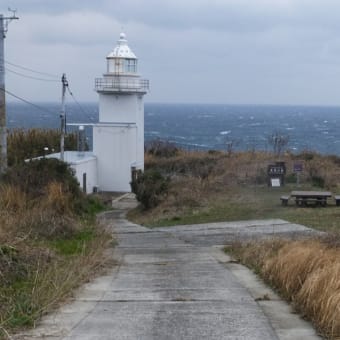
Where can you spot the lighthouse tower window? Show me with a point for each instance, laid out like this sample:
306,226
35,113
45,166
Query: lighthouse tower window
130,65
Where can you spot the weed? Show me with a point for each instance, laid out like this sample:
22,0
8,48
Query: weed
76,244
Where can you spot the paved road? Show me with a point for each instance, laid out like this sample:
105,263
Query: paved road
176,283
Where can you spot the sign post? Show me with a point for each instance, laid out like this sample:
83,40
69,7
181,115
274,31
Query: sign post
276,174
298,168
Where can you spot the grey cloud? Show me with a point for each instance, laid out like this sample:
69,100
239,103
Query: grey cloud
228,15
246,50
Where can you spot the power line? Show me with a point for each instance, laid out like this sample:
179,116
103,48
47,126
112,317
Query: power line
47,110
86,113
31,77
28,102
32,70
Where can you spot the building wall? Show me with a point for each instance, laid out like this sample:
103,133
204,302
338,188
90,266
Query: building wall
89,168
115,147
140,134
81,162
120,108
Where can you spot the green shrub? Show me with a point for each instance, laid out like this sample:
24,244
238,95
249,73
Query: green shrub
150,187
318,181
89,205
34,176
291,178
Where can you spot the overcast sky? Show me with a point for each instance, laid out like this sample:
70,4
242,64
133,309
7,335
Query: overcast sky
194,51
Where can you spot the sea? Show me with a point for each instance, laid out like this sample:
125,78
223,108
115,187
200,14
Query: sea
205,126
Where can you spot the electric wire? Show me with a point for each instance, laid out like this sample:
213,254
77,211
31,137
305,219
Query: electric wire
32,70
56,79
28,102
86,113
31,77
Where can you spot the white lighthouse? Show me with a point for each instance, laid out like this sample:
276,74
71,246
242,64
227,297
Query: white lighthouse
118,137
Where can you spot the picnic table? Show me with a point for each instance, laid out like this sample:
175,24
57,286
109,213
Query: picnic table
302,198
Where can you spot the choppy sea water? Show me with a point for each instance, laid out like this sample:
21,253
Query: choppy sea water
206,126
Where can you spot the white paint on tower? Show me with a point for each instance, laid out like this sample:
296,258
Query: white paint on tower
118,138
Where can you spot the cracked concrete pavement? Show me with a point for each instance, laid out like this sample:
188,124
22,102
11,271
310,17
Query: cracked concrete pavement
176,283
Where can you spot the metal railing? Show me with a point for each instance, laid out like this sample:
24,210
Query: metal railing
126,85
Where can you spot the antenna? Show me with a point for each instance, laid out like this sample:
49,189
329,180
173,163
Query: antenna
7,20
13,11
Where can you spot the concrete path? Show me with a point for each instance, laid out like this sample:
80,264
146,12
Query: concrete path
176,283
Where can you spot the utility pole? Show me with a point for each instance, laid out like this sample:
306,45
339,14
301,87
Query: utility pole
63,117
4,21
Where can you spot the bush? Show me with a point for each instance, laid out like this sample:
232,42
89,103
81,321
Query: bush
318,181
291,178
150,187
33,177
161,148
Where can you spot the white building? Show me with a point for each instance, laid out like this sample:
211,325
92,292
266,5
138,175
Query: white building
118,137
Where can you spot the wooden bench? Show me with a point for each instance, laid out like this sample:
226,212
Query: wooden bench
284,200
337,199
318,198
304,202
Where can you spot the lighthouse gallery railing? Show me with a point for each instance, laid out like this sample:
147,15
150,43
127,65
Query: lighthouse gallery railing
102,84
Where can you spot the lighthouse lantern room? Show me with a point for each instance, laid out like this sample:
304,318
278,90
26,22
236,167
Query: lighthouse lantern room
118,137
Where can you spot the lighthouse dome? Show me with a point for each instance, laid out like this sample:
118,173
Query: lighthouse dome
122,50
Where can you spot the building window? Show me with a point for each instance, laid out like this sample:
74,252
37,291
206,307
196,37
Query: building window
130,65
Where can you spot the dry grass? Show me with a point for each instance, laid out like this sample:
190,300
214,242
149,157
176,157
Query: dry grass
26,144
12,198
215,186
306,272
57,198
219,168
46,250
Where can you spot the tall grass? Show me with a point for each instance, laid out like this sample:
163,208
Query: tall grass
49,241
307,273
26,144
